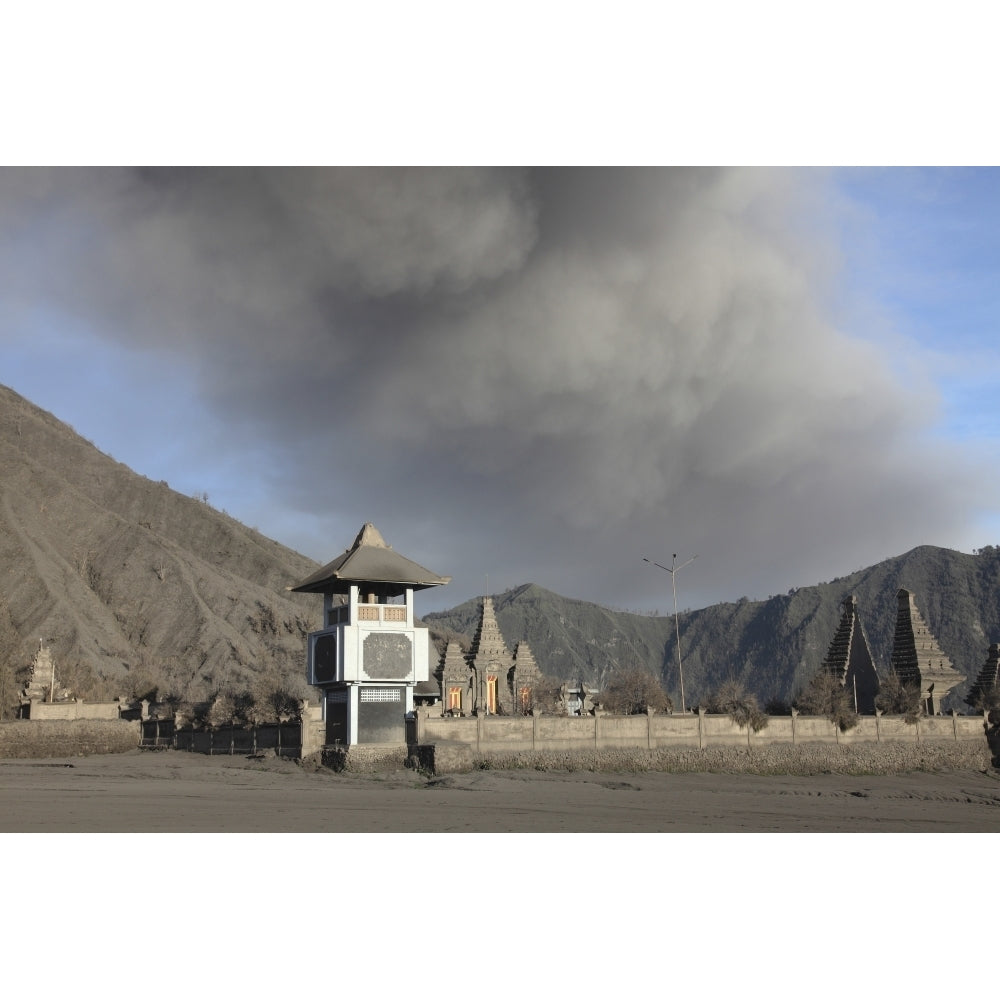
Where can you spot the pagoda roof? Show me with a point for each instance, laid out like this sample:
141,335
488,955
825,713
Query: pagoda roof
368,560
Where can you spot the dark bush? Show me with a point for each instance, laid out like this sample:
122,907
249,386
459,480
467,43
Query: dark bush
732,699
896,698
825,695
631,691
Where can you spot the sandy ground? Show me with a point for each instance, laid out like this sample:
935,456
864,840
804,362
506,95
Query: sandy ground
173,792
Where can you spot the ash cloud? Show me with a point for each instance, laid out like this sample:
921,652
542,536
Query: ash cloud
532,374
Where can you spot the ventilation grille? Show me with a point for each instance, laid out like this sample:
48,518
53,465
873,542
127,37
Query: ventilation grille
381,694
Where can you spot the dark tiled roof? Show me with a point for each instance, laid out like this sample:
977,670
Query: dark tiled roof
368,560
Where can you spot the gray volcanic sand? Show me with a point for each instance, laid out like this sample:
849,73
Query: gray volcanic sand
173,792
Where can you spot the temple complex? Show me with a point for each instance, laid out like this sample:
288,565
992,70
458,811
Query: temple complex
917,658
989,676
849,659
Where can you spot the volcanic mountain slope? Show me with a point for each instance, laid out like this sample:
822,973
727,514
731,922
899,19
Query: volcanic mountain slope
775,646
120,574
117,572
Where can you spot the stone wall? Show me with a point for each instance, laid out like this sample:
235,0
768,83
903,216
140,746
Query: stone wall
503,734
360,759
778,758
67,738
313,730
47,711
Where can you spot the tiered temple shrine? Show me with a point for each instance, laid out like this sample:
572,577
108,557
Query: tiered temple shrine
850,659
917,658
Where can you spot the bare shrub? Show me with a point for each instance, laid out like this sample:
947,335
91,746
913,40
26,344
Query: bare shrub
273,699
84,683
143,681
14,668
228,709
732,699
825,695
544,696
191,713
987,699
632,690
896,698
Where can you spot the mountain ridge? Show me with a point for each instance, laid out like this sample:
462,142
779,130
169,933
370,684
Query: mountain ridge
120,574
773,646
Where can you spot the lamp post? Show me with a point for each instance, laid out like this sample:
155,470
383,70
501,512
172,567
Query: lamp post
673,569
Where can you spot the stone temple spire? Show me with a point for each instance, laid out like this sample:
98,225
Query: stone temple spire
917,658
488,642
849,658
491,662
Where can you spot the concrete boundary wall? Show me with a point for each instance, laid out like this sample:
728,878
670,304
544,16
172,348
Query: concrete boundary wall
25,738
50,711
549,733
892,757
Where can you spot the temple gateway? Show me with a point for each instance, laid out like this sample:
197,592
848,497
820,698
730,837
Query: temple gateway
489,680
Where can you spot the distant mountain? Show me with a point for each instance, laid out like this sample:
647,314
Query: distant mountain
118,573
122,575
773,646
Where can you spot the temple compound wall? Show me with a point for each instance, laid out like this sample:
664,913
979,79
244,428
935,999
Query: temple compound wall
66,710
25,738
492,734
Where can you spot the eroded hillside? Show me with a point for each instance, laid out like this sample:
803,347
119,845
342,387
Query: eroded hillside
118,573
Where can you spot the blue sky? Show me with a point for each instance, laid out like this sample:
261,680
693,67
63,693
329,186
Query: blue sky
614,365
929,257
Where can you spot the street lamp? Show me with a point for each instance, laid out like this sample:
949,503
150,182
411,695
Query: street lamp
673,569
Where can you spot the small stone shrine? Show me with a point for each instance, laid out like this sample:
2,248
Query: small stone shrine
369,654
42,682
917,658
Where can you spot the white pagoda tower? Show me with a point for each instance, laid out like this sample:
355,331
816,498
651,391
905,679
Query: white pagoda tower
369,653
